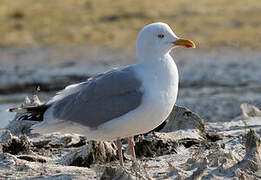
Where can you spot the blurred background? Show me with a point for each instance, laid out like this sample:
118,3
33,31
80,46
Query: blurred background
218,24
53,43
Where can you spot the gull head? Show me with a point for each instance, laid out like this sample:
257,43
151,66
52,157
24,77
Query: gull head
158,39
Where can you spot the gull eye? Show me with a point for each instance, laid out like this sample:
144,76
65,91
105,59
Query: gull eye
161,36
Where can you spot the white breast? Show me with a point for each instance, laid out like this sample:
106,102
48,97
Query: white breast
160,86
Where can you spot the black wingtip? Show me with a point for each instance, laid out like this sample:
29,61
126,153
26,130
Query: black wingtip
11,110
20,110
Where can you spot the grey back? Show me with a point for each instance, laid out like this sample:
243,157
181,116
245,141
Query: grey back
101,98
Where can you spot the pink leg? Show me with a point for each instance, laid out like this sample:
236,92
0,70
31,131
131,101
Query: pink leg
131,146
118,141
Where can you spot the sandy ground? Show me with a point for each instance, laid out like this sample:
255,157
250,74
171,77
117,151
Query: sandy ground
183,148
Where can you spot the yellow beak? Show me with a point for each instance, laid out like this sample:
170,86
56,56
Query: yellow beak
184,42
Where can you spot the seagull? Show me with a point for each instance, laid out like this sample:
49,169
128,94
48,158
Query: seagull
120,103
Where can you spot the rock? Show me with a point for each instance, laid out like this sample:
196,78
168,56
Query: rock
154,144
17,145
13,144
252,160
158,143
182,118
93,152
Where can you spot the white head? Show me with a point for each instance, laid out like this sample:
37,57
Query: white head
158,39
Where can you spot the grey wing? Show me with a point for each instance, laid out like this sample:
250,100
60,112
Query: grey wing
101,99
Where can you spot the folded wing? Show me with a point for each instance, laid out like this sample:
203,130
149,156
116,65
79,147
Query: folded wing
100,99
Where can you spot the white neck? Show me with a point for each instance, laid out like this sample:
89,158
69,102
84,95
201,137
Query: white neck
145,55
152,56
158,62
162,68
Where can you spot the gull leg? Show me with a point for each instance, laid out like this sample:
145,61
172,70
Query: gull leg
131,146
118,141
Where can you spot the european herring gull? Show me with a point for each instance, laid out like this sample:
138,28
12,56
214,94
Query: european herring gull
121,103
